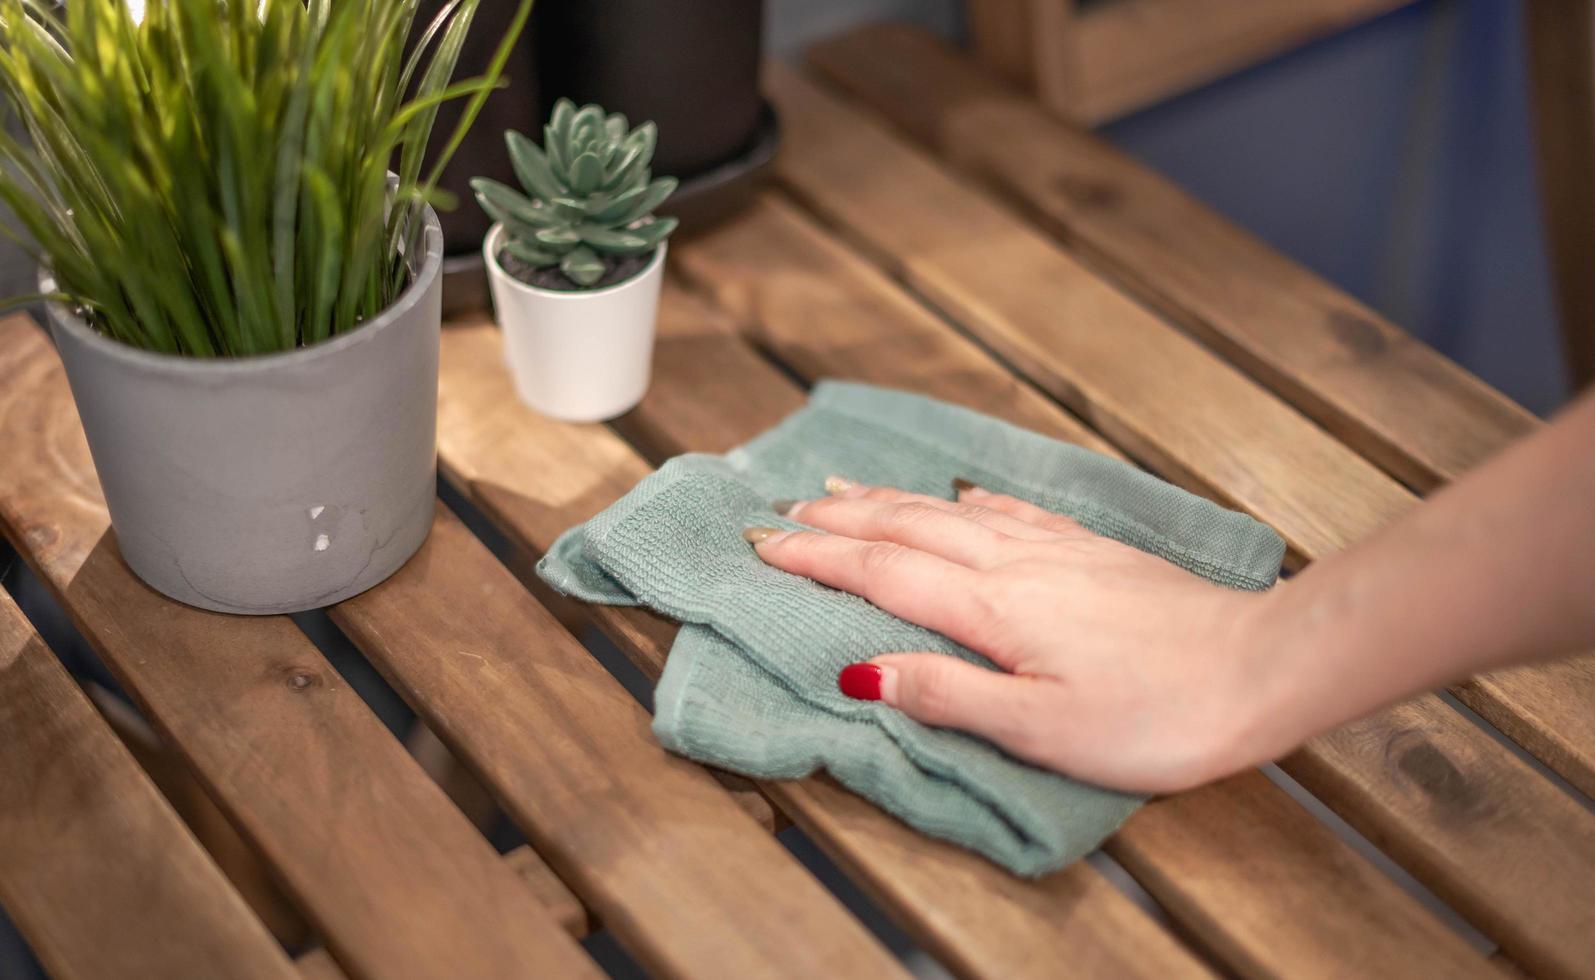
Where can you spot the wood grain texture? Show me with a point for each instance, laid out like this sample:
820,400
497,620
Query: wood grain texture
243,868
1152,390
1003,36
96,868
1244,869
1382,392
555,895
391,874
661,852
1132,53
534,477
1200,422
1561,41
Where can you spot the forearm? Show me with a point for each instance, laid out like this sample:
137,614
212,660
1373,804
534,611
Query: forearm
1496,569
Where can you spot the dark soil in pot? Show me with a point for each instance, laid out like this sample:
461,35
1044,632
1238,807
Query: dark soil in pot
617,269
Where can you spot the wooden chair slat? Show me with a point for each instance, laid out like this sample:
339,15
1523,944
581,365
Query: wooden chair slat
1198,421
1384,393
534,477
395,878
96,868
659,850
1242,867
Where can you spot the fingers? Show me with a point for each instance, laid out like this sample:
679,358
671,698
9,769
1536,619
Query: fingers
940,690
1019,510
922,588
940,531
842,489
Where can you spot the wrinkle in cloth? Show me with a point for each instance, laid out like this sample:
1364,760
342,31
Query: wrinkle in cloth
750,684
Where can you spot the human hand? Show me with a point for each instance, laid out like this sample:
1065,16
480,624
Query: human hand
1116,667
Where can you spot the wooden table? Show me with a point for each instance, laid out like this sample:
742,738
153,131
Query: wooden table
929,230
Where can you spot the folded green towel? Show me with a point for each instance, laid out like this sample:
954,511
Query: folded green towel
750,684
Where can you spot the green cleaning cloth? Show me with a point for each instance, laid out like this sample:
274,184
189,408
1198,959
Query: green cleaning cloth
750,684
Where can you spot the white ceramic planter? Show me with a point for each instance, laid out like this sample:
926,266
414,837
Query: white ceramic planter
582,355
275,483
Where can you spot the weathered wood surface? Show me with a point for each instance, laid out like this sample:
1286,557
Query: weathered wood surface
824,311
651,842
535,477
96,869
1200,422
1382,392
391,874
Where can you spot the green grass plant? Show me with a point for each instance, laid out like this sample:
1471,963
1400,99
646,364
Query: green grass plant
211,177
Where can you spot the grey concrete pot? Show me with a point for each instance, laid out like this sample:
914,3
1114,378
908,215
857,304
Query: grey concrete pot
268,484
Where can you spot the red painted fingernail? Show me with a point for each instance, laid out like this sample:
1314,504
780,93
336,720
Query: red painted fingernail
861,681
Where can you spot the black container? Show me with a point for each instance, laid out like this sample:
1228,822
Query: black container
691,66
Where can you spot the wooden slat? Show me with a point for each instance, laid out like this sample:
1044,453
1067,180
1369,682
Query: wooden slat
567,910
319,965
243,868
535,477
1003,35
1132,53
555,895
661,852
96,869
1244,868
395,878
1387,395
1383,392
1561,47
1200,422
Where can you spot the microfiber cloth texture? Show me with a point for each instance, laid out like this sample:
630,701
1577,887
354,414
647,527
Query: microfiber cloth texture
750,684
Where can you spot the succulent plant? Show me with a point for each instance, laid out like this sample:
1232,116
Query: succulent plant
589,193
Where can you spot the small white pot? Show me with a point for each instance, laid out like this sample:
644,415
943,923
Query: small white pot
582,355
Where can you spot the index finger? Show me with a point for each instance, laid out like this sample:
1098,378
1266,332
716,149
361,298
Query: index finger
922,588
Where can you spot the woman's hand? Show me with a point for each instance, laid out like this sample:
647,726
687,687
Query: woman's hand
1116,667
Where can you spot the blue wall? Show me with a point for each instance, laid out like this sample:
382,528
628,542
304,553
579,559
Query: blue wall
1396,159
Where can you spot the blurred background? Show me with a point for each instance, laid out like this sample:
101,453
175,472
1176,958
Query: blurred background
1395,158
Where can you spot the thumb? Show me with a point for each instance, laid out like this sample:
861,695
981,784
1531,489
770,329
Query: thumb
938,689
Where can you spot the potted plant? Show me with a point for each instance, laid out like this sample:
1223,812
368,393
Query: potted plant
575,262
244,296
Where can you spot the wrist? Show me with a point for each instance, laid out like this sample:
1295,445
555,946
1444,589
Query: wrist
1277,691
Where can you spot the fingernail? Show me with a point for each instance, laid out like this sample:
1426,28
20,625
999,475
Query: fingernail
839,484
785,507
755,535
961,485
860,681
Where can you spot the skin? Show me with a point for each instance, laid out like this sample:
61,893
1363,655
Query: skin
1121,669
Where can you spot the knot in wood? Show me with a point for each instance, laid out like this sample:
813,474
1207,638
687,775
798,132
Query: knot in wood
1089,192
301,679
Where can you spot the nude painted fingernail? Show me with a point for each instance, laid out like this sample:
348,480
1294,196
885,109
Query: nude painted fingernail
839,484
963,486
758,535
786,508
